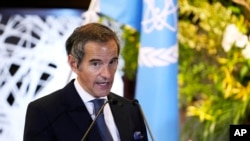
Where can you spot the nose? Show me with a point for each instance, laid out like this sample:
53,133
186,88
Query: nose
105,72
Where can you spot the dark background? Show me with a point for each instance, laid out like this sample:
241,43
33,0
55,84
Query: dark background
75,4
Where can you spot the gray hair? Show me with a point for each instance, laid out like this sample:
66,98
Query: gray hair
90,32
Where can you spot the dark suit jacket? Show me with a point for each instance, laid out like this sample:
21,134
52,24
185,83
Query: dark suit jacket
62,116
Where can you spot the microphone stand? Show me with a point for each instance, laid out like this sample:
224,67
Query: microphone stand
92,123
144,118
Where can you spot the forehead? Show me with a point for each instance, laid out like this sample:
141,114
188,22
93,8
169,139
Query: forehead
98,49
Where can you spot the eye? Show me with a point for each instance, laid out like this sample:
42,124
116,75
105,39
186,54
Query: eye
95,63
113,61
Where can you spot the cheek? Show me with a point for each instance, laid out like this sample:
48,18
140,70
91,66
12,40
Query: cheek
113,69
87,74
87,79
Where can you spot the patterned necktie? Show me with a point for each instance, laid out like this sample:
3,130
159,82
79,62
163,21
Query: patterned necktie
104,131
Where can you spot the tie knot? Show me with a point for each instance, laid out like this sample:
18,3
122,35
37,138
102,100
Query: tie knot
98,104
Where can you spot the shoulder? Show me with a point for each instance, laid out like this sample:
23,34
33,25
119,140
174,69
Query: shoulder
118,98
124,103
48,102
54,98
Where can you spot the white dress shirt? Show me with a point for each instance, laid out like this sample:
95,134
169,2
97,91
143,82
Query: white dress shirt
86,98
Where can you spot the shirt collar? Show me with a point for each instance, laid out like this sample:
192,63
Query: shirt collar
85,96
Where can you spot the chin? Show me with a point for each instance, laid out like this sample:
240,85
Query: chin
103,94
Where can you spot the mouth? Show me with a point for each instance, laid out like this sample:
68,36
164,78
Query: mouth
102,88
103,83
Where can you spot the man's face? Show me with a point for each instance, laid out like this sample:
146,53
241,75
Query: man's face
98,67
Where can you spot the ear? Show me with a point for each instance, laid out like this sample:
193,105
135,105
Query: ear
72,63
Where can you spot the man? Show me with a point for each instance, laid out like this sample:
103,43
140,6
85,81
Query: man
66,114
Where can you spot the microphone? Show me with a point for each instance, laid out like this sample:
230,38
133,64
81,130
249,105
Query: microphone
135,101
97,115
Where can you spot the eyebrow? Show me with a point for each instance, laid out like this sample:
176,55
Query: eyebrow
98,60
94,60
115,58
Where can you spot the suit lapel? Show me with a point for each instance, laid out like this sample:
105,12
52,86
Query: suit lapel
78,111
121,120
